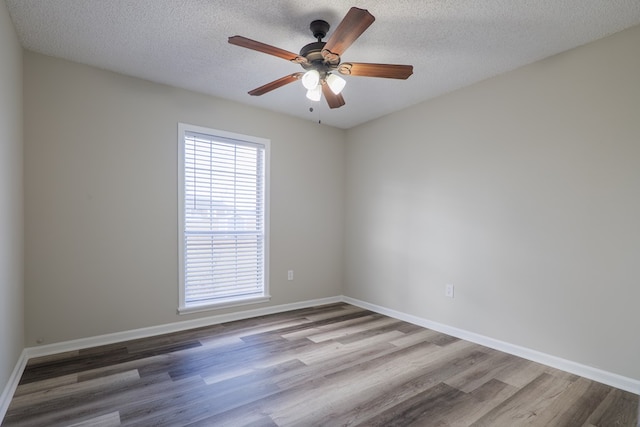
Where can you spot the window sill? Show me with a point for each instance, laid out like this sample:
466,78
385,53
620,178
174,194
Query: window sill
223,304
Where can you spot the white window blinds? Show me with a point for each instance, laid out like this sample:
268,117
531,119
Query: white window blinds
223,233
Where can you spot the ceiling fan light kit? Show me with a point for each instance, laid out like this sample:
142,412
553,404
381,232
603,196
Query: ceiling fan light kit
321,59
336,83
310,79
315,93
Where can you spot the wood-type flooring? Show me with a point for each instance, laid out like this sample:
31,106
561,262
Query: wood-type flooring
333,365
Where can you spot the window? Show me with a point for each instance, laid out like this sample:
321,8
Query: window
223,218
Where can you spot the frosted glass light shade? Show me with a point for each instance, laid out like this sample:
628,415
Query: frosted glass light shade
315,94
310,79
336,83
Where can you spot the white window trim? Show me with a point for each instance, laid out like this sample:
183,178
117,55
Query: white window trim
182,308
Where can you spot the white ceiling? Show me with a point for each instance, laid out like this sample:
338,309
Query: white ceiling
183,43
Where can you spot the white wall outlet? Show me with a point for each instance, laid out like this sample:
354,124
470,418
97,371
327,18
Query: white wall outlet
290,275
448,290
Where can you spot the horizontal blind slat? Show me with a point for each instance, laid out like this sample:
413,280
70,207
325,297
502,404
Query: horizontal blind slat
223,218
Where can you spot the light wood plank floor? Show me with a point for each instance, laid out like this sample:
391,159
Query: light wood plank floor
332,365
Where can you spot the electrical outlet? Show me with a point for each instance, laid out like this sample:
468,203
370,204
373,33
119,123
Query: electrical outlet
290,275
448,290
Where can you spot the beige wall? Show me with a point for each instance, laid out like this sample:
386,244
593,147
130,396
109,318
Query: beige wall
101,199
524,192
11,229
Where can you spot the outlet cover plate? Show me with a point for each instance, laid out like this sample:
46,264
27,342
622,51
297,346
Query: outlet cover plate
448,290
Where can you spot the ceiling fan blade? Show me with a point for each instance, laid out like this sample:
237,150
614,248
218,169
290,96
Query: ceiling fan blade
334,101
266,48
352,26
275,84
389,71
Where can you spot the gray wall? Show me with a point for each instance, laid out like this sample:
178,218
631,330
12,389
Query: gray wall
11,229
101,199
523,191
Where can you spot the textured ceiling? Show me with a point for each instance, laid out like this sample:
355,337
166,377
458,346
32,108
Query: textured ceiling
183,43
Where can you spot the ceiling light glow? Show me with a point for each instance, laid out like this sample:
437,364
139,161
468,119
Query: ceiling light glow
310,79
336,83
315,94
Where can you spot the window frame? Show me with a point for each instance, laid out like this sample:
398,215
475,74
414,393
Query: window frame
183,308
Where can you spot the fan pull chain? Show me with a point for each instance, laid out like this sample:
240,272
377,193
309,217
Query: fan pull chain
311,109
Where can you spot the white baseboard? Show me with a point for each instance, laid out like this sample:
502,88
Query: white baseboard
609,378
60,347
12,384
595,374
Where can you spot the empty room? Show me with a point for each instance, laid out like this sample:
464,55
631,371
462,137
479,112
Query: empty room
285,213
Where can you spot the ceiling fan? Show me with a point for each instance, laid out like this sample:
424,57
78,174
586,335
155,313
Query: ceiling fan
322,59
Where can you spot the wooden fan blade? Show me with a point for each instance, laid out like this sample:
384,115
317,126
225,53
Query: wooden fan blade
266,48
389,71
334,101
275,84
352,26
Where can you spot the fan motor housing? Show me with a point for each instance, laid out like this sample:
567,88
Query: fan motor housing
313,51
